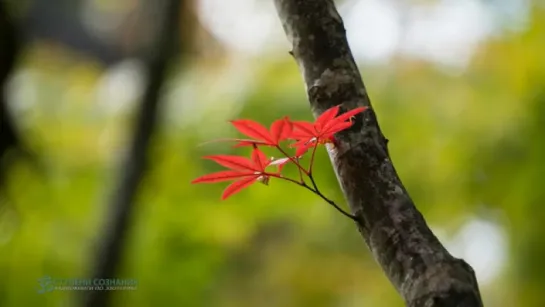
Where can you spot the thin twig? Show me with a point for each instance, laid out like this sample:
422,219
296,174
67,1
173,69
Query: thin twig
312,158
315,191
301,168
330,201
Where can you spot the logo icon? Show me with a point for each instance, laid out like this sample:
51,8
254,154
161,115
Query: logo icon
46,284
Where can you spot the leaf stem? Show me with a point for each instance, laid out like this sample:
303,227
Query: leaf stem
312,159
284,178
301,168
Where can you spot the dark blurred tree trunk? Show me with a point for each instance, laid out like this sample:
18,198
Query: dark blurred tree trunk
122,203
9,47
419,267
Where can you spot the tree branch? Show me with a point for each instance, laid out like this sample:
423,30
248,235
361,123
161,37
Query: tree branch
419,267
135,165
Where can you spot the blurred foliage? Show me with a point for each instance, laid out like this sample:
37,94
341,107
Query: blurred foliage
467,146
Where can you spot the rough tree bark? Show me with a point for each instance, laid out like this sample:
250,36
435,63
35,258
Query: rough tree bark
419,267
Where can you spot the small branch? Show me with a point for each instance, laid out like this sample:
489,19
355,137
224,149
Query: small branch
301,168
300,171
317,191
284,178
309,175
312,160
419,267
135,165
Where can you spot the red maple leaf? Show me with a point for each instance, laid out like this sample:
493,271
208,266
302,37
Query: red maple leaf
244,171
322,130
280,130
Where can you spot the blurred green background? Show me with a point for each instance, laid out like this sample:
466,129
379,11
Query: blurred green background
459,88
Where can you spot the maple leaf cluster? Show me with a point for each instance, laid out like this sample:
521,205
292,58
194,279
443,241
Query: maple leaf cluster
304,135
